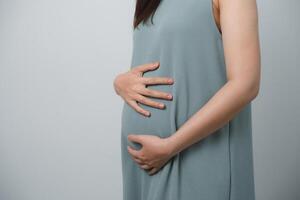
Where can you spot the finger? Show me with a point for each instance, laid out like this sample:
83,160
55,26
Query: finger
135,138
139,158
152,171
133,152
146,167
146,67
156,94
138,109
149,102
138,161
157,80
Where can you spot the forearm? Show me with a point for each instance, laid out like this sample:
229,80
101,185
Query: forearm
218,111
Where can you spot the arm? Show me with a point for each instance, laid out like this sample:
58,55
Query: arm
239,24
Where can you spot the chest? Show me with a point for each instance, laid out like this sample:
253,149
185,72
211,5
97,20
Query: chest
179,18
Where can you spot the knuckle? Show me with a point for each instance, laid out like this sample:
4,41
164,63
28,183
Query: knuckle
141,99
138,73
135,70
137,97
149,92
146,101
147,80
143,158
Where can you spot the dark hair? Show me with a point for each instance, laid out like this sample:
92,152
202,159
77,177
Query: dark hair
144,10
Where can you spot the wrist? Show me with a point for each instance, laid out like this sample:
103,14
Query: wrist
173,145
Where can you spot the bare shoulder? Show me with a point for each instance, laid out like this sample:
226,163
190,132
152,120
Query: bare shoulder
238,11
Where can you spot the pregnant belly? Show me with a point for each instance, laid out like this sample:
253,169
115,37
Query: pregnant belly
190,92
161,122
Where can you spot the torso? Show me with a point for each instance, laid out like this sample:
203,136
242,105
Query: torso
185,40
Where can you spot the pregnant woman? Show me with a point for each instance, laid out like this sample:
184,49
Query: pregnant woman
186,120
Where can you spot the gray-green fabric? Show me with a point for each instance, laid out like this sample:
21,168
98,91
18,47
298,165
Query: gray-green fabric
185,40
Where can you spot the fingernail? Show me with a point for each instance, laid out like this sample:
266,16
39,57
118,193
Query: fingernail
161,105
170,80
169,96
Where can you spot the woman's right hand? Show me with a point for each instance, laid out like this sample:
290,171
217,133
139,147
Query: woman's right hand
131,86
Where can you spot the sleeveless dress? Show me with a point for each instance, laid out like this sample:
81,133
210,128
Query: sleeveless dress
185,39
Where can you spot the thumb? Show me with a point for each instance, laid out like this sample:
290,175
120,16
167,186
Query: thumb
134,138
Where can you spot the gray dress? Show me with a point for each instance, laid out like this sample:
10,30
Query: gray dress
186,41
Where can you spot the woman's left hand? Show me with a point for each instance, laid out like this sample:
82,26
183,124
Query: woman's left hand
153,155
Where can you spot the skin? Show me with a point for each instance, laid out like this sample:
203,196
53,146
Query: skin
238,21
131,86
